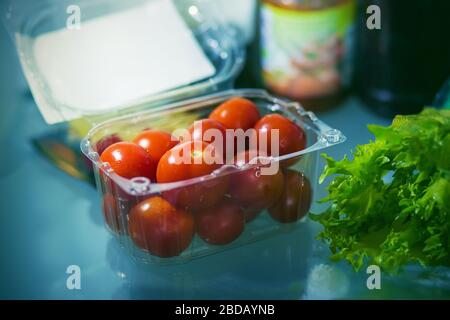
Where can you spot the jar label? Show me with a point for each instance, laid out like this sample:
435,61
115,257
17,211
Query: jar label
307,53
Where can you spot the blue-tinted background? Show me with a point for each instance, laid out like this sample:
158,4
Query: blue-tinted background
49,221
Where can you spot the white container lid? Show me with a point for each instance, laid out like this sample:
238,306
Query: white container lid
101,58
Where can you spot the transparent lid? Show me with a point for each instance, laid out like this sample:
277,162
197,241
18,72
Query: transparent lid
100,58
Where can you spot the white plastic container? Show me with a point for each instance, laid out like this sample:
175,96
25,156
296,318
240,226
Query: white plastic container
28,21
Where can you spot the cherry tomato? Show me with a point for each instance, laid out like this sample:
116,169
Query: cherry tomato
203,130
222,224
236,113
156,143
295,201
252,214
159,228
100,146
111,187
113,208
200,195
292,138
105,142
189,160
129,160
253,190
111,212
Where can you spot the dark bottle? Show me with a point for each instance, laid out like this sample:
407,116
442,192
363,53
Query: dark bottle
400,67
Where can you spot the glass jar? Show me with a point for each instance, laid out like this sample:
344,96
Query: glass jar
306,49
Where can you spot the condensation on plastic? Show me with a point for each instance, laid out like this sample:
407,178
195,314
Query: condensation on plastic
25,20
128,193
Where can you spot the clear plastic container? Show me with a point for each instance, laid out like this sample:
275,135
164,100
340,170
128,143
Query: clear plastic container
27,20
121,195
168,110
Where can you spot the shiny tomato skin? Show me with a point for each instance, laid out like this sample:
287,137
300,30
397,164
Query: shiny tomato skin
156,143
221,224
129,160
236,113
100,146
198,129
296,199
292,138
254,191
198,195
105,142
159,228
197,154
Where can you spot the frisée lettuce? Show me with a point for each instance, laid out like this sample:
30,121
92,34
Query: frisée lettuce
390,204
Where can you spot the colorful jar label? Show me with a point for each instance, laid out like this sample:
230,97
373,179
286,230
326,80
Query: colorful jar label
307,53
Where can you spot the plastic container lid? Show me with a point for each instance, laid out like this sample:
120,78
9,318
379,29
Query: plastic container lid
96,71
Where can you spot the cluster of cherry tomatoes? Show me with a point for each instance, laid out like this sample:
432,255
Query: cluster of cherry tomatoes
216,209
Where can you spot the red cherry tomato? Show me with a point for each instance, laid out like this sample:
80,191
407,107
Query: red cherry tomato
105,142
252,214
292,138
200,195
156,143
113,209
111,212
236,113
100,146
295,201
202,130
253,190
222,224
129,160
159,228
189,160
111,187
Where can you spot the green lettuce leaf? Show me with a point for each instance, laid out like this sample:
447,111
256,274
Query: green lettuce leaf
390,204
